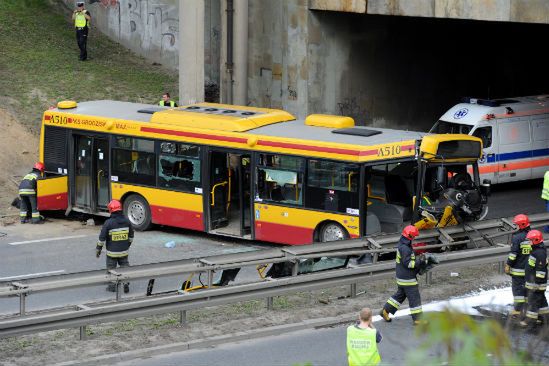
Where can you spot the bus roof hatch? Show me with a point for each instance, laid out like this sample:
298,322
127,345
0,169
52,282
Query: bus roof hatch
221,117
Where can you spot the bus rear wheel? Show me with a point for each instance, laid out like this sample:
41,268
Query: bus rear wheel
137,210
332,231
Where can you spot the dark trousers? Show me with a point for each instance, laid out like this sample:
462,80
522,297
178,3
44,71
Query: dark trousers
121,262
29,208
519,292
537,305
82,39
414,299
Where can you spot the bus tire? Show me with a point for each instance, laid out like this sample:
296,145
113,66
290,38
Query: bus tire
137,210
332,231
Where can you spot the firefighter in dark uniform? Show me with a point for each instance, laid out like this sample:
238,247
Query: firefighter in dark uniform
536,280
117,235
27,193
407,267
516,261
81,19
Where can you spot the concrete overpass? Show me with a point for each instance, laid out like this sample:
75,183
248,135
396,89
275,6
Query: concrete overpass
395,63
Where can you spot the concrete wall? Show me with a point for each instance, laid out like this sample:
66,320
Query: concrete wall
527,11
405,72
278,56
149,28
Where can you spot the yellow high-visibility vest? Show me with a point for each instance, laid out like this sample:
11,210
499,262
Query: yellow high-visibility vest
80,20
545,191
362,346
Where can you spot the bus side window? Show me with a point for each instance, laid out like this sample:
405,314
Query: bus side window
485,134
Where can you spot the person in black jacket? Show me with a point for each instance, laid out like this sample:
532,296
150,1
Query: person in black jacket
536,280
27,193
516,262
117,235
407,267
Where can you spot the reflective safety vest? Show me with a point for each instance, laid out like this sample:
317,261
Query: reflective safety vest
362,346
163,104
545,191
80,20
28,184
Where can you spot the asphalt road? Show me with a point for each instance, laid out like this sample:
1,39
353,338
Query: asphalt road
64,246
318,347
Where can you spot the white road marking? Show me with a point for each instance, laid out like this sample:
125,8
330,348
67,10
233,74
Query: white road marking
48,239
39,274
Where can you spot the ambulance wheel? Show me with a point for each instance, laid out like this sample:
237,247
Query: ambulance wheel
137,210
332,231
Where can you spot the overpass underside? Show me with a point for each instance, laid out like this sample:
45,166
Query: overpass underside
390,63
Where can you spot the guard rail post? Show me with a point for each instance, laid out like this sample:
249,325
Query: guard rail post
117,289
501,267
183,318
295,268
429,278
22,301
353,290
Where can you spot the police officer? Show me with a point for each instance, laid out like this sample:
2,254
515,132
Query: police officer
27,193
516,262
536,280
362,339
166,101
117,234
407,267
81,19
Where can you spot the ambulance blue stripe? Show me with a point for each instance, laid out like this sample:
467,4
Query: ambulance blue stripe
518,155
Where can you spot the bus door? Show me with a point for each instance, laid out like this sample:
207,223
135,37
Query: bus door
91,177
229,194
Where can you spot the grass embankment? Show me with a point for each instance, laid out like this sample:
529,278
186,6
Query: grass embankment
39,63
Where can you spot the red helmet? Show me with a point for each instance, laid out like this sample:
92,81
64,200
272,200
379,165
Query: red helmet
114,206
522,221
535,236
39,166
410,232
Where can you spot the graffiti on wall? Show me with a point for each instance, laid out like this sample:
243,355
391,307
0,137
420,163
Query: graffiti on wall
350,107
148,27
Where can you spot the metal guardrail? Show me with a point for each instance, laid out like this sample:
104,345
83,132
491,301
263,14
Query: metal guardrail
82,315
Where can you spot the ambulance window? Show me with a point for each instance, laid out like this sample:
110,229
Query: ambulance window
485,134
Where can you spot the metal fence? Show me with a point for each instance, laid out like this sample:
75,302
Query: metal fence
480,235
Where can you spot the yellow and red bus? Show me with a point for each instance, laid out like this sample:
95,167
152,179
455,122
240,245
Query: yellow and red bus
253,173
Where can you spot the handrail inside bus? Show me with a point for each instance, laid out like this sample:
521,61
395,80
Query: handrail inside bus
213,191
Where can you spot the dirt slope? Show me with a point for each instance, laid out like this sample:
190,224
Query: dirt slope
18,152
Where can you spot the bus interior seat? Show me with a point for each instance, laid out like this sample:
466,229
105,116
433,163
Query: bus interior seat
289,191
373,226
276,194
390,216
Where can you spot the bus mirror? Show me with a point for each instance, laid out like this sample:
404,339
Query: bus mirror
485,187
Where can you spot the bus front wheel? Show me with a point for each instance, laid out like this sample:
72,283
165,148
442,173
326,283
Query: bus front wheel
137,210
332,231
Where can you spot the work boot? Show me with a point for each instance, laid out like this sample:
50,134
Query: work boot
37,222
126,288
515,315
24,221
385,315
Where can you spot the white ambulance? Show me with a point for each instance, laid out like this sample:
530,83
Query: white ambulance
514,132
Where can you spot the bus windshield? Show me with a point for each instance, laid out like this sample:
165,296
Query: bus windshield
450,127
